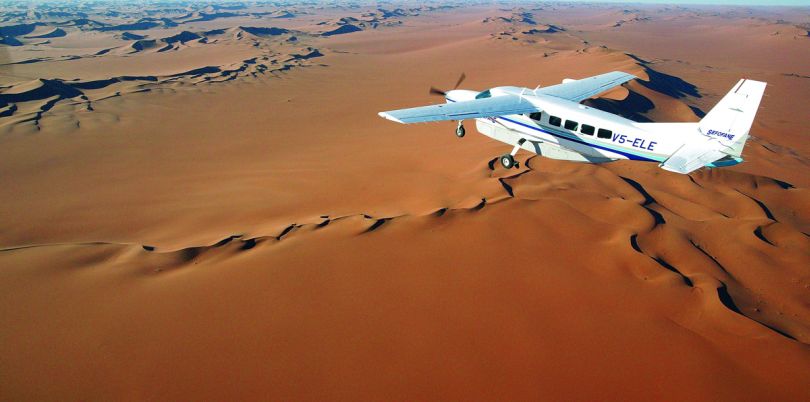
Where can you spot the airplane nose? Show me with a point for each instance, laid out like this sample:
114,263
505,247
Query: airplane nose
458,95
454,95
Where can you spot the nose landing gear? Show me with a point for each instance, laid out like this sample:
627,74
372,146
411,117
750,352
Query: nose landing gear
460,129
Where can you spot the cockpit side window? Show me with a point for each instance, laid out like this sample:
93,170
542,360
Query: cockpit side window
536,116
483,94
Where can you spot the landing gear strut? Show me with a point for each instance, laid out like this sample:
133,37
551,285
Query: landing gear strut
460,129
508,160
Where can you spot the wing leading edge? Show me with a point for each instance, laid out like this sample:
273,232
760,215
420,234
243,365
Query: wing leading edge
576,91
487,107
579,90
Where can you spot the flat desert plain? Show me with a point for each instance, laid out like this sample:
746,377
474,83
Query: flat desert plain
198,201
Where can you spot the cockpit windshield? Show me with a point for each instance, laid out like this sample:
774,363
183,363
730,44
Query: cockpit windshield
484,94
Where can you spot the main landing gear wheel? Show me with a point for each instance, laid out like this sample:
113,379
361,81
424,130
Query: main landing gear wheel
460,131
508,161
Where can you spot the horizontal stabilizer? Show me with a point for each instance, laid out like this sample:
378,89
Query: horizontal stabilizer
691,157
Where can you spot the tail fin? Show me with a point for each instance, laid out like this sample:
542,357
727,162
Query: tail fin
725,130
730,120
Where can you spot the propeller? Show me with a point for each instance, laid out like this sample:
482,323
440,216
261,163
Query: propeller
437,91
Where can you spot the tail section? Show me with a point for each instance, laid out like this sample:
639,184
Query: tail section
722,132
730,120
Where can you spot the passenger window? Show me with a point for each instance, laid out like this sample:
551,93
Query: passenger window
587,130
536,116
554,121
571,125
602,133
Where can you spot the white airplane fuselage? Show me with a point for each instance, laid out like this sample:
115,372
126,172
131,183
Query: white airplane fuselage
612,138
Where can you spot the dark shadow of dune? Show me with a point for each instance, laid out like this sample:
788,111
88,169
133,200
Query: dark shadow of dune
758,233
18,30
672,268
725,298
55,33
132,36
648,200
377,224
665,83
348,28
728,302
634,243
98,84
310,55
47,89
507,187
10,41
632,107
182,37
265,31
697,111
670,85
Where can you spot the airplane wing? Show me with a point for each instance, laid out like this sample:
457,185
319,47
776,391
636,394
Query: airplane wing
694,155
579,90
486,107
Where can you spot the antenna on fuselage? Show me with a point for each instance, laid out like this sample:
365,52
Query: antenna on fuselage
522,91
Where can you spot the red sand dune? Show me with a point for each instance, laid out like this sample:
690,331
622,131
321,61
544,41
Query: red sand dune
229,218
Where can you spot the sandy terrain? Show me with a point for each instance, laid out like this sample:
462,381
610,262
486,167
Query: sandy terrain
200,202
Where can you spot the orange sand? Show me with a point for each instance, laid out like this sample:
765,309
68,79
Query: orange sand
173,237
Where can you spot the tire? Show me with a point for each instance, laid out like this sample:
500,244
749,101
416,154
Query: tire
460,132
507,161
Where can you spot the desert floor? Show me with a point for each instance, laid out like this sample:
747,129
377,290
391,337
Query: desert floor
199,202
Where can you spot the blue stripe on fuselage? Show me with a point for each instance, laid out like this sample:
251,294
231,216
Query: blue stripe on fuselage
577,140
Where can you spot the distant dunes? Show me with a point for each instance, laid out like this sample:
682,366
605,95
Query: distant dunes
182,37
544,29
344,29
260,31
131,36
54,33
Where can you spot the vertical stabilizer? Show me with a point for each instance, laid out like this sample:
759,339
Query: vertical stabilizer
723,131
730,120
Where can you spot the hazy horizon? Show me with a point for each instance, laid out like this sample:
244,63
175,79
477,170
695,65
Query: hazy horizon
707,2
676,2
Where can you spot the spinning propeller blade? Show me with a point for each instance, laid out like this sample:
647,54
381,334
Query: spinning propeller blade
437,91
460,80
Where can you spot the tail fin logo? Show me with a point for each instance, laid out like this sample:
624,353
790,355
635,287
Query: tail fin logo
721,134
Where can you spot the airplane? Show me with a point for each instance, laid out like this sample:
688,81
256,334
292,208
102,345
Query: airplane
551,122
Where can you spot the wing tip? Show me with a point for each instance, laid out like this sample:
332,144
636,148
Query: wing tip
387,116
